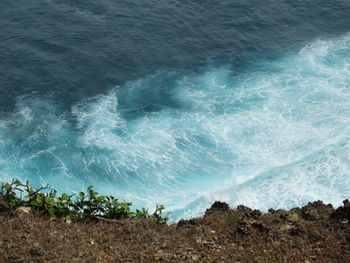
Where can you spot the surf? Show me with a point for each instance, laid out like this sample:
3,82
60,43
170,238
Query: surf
276,135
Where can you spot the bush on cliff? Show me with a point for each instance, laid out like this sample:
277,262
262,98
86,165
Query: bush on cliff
83,206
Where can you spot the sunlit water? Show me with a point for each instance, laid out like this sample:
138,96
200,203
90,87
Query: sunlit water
274,134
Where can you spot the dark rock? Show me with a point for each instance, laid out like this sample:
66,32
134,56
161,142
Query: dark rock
347,235
36,252
5,210
4,207
260,227
222,206
191,222
217,206
296,230
316,211
241,209
247,212
342,212
246,226
255,214
243,228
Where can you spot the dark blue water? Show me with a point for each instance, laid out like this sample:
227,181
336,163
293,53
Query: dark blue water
178,102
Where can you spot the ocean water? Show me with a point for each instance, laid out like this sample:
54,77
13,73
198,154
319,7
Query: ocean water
178,103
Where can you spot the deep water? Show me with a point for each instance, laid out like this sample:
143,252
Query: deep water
178,102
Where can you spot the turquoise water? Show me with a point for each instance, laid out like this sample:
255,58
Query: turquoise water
267,127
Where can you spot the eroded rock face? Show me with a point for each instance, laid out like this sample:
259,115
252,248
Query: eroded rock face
316,211
217,206
248,212
246,226
223,235
342,212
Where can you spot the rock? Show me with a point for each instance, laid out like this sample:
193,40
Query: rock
247,212
190,222
220,206
241,209
293,218
5,210
34,252
4,207
260,227
285,228
343,212
255,214
297,230
316,211
248,225
22,211
243,228
217,206
195,257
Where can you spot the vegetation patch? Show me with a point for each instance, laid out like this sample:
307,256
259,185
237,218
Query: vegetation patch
75,207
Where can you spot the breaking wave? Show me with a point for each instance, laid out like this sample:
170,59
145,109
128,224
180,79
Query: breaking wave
275,136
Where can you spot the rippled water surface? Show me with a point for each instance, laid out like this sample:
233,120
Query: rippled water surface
178,102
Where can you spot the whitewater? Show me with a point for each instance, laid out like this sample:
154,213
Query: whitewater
273,136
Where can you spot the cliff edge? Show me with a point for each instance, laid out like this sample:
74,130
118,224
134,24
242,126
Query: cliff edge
314,233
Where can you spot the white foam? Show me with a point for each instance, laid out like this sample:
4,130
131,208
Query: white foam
276,137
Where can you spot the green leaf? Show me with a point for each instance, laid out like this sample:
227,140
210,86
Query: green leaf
51,211
17,182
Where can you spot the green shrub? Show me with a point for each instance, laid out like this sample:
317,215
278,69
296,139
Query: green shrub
83,206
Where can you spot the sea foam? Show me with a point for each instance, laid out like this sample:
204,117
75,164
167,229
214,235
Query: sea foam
275,136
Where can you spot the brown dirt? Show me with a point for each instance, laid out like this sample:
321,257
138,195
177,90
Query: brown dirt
314,233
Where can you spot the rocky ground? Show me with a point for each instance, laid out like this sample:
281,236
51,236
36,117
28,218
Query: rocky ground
313,233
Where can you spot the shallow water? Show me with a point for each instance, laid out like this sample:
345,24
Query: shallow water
179,103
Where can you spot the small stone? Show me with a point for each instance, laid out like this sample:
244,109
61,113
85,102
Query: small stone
36,244
23,210
285,228
294,218
195,257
